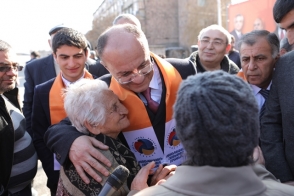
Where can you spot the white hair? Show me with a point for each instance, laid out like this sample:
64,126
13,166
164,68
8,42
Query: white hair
216,27
82,102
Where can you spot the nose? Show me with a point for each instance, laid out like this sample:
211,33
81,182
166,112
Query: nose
12,72
138,79
290,36
123,110
251,64
71,62
210,44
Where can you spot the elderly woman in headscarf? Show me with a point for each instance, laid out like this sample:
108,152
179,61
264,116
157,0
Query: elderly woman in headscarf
95,110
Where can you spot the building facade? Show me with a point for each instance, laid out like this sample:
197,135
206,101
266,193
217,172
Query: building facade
171,26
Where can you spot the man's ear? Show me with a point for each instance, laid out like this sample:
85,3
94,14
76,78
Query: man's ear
87,125
49,42
228,48
276,59
54,55
102,63
87,52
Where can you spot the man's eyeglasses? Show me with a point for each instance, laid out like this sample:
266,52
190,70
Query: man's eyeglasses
215,43
129,77
7,67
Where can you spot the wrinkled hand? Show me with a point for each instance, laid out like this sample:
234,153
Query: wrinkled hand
140,181
84,156
258,156
162,173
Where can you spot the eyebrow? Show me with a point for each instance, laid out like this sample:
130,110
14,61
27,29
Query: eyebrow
255,56
123,72
288,27
205,37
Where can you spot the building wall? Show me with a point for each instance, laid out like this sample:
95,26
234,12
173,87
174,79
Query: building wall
168,24
195,15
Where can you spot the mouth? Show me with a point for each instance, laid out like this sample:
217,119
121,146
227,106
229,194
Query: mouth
209,53
124,116
9,80
73,69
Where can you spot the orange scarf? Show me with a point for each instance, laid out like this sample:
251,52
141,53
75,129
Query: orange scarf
56,105
138,115
242,75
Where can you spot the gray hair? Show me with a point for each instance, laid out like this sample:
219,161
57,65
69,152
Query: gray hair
129,28
82,102
127,18
251,38
217,119
4,46
216,27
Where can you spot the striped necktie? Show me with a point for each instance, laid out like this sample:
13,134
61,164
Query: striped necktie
152,105
264,93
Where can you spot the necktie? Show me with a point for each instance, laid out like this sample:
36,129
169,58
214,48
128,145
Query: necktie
264,93
153,105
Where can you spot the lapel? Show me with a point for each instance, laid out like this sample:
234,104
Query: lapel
48,69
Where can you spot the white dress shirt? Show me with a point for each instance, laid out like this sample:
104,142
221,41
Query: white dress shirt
155,85
67,83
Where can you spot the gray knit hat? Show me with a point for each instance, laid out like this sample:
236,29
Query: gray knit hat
217,119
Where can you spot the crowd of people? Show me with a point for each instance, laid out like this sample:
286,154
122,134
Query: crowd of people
216,123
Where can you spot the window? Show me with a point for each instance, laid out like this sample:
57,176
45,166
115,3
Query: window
201,3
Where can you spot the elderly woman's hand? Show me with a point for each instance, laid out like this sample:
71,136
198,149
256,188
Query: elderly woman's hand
258,156
140,181
162,174
84,156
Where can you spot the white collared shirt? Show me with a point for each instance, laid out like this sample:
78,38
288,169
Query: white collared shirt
259,98
67,83
155,85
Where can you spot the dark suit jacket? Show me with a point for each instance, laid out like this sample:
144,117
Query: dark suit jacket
36,72
40,122
277,123
236,38
97,69
59,140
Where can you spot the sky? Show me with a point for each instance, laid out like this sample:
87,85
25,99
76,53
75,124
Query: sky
25,23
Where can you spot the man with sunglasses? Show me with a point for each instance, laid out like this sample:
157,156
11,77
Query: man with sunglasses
18,158
124,51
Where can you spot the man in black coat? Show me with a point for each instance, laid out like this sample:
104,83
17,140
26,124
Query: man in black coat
277,123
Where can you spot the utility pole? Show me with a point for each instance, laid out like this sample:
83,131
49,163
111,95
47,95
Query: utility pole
219,12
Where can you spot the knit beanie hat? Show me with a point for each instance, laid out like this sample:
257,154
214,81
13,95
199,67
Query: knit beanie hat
217,119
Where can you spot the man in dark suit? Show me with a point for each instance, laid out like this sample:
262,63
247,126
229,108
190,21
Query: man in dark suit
277,123
70,52
37,72
259,51
135,70
238,25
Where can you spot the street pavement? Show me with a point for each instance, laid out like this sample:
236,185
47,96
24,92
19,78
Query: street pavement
40,180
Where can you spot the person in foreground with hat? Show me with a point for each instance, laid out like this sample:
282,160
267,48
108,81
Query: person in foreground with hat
217,122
